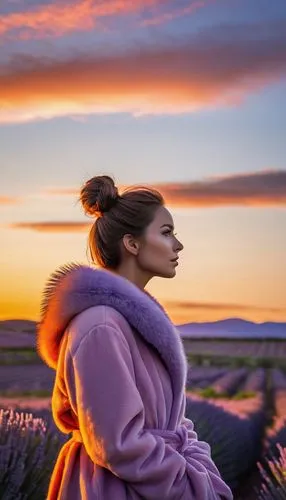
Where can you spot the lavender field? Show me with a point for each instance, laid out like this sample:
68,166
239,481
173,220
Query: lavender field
258,349
237,405
24,378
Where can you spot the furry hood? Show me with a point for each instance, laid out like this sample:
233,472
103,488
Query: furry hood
73,288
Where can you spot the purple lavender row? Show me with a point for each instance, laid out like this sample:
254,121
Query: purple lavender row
26,377
272,468
200,374
235,442
27,454
229,382
238,348
255,381
278,379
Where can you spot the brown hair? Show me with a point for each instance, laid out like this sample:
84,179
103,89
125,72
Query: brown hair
117,215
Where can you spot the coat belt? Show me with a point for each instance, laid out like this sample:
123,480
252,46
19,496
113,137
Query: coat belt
178,438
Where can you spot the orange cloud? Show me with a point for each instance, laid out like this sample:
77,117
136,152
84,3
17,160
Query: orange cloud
8,200
217,68
186,312
52,227
220,306
61,191
58,18
264,188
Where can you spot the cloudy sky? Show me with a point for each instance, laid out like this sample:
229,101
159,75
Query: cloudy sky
186,95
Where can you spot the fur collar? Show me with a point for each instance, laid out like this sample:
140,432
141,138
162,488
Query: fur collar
73,288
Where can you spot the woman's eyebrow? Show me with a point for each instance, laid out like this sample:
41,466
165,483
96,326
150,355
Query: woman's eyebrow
168,225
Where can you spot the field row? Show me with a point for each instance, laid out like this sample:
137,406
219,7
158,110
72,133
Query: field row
236,348
26,378
226,381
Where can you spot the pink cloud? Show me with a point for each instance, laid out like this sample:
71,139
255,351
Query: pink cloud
59,18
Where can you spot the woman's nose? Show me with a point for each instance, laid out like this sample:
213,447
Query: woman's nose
180,247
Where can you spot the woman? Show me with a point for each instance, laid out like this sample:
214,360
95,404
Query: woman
120,364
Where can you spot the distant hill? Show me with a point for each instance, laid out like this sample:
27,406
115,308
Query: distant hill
18,325
233,328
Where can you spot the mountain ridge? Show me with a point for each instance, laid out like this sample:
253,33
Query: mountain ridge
233,328
228,328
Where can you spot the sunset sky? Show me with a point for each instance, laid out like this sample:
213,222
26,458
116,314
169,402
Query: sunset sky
186,96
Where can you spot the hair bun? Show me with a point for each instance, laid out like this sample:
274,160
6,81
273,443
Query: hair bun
98,195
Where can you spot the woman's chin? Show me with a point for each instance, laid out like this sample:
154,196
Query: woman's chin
169,274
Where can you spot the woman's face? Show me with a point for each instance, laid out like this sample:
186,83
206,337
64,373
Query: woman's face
159,246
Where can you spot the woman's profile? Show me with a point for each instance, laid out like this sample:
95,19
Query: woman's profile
120,364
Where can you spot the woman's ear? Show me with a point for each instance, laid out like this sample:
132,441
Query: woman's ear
131,244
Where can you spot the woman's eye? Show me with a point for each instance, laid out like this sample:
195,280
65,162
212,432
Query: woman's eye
169,232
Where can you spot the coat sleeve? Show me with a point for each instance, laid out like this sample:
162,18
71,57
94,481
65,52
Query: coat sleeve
111,421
